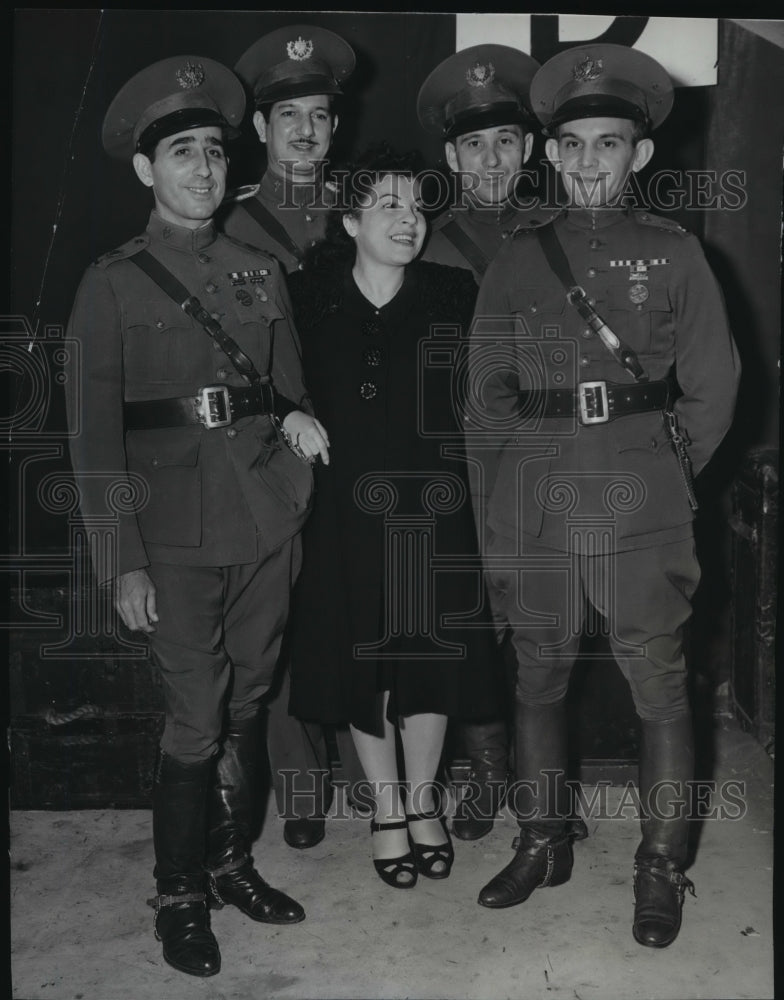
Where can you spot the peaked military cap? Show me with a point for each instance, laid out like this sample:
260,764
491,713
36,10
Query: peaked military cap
477,87
601,81
170,96
296,62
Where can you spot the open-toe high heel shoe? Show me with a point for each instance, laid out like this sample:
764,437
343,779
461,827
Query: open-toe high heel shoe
432,860
400,873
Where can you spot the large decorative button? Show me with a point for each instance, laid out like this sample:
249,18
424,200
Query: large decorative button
373,357
372,328
211,287
243,297
368,390
204,258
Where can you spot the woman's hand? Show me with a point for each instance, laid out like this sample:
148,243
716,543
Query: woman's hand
309,437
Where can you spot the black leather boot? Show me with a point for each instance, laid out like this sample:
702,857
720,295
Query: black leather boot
182,922
543,851
487,746
232,877
666,765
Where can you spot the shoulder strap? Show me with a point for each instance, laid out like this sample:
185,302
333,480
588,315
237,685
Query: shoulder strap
189,304
262,215
575,295
462,242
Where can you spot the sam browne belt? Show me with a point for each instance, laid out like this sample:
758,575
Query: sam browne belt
596,402
212,406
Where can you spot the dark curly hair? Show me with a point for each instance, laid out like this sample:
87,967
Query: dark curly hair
354,181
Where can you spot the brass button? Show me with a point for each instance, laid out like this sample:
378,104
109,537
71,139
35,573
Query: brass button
211,287
231,433
534,308
587,332
591,272
204,258
594,244
222,373
585,361
160,324
154,462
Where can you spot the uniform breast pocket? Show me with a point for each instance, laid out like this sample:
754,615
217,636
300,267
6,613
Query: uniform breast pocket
159,340
641,315
249,320
540,309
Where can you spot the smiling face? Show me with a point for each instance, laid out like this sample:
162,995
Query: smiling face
187,175
388,228
298,134
489,159
595,157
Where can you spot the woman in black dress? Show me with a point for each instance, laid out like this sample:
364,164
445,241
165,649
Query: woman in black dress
389,631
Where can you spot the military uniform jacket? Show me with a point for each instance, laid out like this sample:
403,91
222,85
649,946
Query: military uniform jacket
184,495
300,209
554,478
488,228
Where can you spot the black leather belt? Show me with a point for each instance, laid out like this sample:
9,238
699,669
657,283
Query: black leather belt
596,402
213,406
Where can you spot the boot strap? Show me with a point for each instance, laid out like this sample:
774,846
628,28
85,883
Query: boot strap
230,866
186,897
674,877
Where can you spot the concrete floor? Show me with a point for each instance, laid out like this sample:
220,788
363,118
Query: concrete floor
81,929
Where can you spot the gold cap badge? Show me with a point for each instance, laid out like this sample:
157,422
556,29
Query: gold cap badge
588,69
300,49
480,75
190,76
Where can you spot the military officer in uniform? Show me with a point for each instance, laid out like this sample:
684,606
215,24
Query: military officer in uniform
603,376
295,75
191,375
478,101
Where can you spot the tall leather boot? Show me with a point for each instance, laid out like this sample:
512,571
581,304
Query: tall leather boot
232,876
182,922
487,745
543,851
666,765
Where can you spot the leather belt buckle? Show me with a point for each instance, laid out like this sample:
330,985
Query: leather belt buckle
213,406
594,403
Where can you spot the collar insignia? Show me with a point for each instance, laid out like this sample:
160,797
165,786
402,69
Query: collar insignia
480,75
300,49
190,76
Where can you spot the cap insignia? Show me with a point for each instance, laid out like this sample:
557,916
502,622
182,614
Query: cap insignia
588,69
480,75
299,50
190,76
